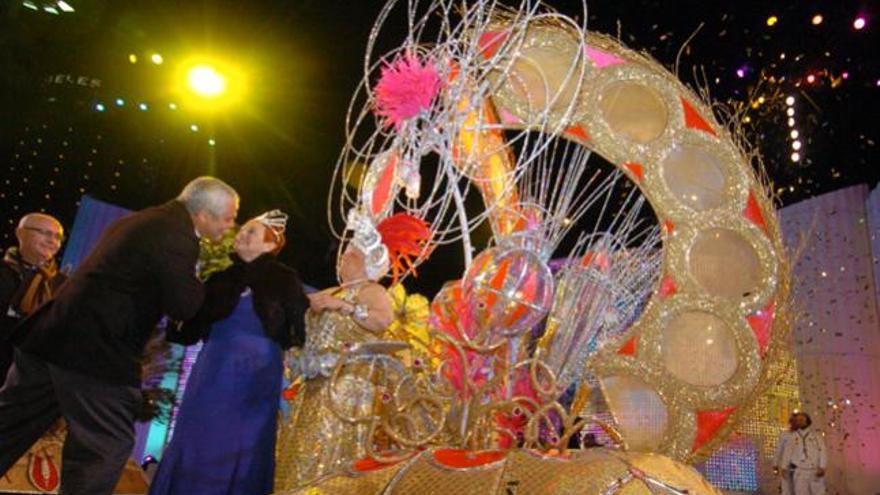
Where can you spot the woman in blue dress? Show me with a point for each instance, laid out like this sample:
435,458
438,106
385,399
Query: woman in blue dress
224,437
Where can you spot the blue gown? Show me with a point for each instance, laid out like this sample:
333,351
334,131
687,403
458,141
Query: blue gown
224,437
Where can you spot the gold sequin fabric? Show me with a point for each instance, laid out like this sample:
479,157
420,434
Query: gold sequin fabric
315,439
590,472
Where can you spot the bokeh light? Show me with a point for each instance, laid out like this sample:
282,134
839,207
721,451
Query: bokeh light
205,81
860,23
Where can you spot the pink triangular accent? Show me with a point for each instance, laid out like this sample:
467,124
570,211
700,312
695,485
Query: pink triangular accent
667,287
509,118
383,188
708,423
762,323
601,59
752,211
693,120
491,41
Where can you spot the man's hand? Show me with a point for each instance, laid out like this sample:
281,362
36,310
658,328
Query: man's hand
321,301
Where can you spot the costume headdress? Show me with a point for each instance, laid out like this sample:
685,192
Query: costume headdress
394,243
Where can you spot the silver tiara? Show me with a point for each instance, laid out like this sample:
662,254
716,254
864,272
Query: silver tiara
274,219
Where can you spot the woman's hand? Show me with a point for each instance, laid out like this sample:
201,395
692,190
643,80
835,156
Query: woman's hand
321,301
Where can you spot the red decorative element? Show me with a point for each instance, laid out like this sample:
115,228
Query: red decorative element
762,323
753,212
370,464
491,41
383,187
667,287
43,473
629,349
578,132
461,458
406,237
599,259
669,226
708,423
693,120
636,170
290,392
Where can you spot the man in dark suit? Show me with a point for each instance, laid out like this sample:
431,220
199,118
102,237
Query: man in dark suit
29,276
79,355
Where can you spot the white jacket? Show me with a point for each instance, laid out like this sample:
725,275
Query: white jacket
804,449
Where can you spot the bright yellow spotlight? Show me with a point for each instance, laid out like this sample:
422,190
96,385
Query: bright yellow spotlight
206,82
157,58
132,58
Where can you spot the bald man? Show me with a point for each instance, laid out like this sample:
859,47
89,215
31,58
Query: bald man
29,275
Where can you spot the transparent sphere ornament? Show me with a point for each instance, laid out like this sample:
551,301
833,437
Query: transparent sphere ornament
508,291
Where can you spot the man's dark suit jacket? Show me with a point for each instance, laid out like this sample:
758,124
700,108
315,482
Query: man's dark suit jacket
142,267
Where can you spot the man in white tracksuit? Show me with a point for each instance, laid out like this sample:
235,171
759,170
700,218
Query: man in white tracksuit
780,469
804,455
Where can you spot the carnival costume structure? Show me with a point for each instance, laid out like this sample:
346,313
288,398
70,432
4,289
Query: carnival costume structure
656,326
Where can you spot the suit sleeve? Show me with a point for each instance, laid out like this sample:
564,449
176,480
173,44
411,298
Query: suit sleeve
222,292
295,305
182,292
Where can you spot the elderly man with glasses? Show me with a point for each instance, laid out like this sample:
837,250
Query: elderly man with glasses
29,275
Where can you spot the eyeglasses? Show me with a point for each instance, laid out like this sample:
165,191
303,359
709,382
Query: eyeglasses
58,236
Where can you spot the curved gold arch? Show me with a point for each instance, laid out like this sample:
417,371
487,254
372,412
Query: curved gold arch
724,273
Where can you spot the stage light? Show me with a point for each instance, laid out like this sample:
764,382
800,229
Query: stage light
789,101
52,10
172,106
817,19
796,145
860,23
790,122
212,142
790,112
64,6
772,20
143,106
30,5
194,128
120,102
100,107
811,79
132,58
795,134
157,59
206,82
795,157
